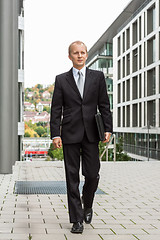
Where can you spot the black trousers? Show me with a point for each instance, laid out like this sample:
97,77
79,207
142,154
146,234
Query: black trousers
89,153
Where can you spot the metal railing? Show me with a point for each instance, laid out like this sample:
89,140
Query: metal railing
154,153
112,138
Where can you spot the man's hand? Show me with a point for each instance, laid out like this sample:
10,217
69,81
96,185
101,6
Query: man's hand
57,142
107,137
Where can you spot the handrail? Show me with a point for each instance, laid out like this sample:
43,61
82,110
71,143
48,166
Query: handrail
113,136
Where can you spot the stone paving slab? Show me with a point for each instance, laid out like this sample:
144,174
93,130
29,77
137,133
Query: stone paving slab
130,210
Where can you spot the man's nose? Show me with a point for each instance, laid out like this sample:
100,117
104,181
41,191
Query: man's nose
79,55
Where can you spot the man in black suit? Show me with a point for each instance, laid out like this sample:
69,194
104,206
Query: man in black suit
77,95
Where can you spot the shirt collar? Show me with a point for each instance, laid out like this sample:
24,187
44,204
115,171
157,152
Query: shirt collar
75,71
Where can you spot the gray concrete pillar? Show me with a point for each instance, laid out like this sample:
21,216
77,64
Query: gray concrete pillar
8,84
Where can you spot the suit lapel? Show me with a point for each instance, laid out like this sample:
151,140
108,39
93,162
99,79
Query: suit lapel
72,82
87,84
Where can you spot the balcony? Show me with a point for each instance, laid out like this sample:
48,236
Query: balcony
21,75
20,128
21,23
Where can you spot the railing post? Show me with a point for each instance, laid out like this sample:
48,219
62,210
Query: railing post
106,148
114,147
106,152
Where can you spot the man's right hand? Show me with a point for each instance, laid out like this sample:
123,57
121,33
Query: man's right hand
57,142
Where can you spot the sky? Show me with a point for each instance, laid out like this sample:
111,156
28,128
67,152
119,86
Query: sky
50,27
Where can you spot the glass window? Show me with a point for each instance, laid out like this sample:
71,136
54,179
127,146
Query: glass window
144,24
106,50
140,88
159,46
140,122
109,49
135,88
151,19
135,33
124,66
123,95
159,12
135,60
128,38
135,122
128,90
119,69
159,114
124,42
154,49
119,46
123,116
140,58
151,114
119,117
144,116
144,54
128,63
111,100
151,82
119,93
128,115
109,82
144,84
151,51
140,28
102,64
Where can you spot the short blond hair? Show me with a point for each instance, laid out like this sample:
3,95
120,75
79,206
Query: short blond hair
76,42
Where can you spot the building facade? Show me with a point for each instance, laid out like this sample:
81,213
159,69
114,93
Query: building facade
137,82
103,61
135,36
11,82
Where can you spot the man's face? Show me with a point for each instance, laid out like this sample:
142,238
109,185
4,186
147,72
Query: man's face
78,55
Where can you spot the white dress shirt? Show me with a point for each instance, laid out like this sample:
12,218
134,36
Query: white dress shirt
76,75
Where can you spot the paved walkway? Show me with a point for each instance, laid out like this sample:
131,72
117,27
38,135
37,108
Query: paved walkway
130,210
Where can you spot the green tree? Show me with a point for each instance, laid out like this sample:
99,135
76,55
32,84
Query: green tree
39,86
120,154
43,124
47,109
27,134
45,134
41,90
39,130
55,153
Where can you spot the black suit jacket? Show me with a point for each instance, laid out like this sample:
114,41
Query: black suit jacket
71,115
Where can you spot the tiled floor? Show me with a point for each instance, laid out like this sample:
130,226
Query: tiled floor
129,210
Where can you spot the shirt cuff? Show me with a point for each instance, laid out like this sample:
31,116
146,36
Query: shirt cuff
56,137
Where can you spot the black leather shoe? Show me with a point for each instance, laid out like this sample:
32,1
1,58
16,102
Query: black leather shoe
88,212
77,227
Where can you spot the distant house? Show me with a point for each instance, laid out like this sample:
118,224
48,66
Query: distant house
29,106
29,116
46,103
39,107
30,94
36,117
46,95
43,104
41,117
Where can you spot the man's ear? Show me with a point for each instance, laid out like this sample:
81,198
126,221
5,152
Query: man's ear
87,56
69,57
